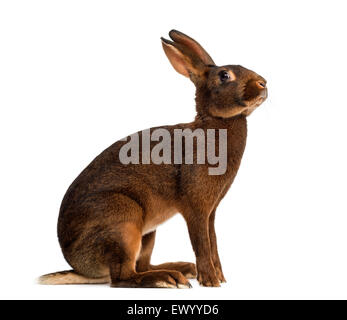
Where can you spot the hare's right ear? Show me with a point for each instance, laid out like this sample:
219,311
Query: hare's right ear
186,55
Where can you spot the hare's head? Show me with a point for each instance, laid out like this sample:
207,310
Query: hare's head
222,92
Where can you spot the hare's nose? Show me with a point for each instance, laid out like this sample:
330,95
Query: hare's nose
261,84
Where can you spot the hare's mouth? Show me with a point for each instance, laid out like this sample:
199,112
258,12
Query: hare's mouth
254,104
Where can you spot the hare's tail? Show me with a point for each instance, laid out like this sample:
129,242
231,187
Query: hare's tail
69,277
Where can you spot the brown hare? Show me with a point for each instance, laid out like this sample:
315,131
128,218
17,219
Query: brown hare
109,215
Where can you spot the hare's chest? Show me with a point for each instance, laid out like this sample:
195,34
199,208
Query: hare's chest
157,212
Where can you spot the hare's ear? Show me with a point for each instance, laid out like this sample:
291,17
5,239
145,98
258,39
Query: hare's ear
187,56
193,45
180,63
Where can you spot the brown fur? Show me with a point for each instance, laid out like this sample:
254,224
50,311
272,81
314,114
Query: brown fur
109,214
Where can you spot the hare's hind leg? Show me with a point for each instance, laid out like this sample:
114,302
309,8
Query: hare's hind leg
122,262
143,264
122,265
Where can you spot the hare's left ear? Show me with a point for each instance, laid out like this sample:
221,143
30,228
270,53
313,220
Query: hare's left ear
186,55
177,59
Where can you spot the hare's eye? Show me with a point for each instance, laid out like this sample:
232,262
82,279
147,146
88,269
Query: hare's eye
224,76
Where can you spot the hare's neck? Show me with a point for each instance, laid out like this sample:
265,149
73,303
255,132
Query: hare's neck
236,133
234,146
234,124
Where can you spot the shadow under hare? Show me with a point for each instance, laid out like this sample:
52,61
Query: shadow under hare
109,214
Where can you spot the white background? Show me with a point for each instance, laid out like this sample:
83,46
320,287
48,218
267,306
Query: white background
75,76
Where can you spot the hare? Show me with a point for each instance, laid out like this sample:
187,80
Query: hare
109,214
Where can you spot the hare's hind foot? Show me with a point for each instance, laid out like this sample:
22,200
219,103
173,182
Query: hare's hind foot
70,277
154,279
188,269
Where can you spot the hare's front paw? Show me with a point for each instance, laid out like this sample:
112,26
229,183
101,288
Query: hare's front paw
207,276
